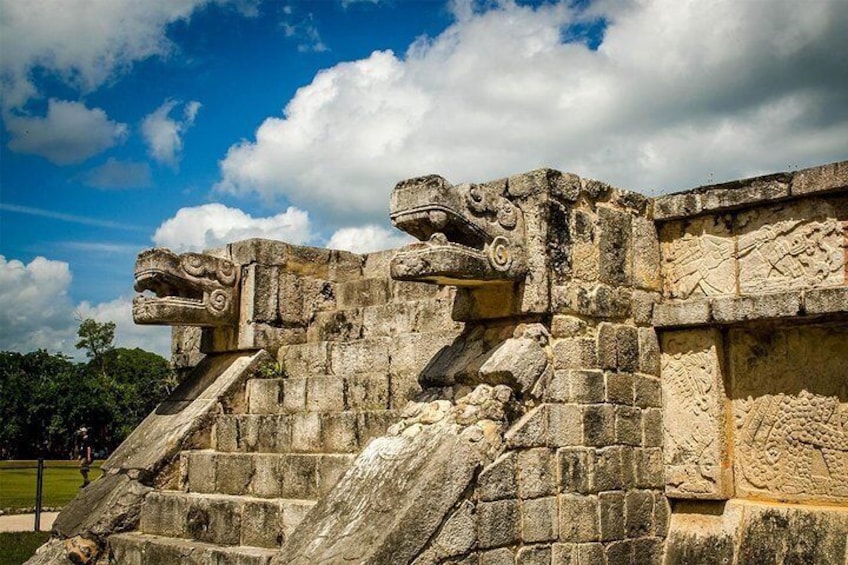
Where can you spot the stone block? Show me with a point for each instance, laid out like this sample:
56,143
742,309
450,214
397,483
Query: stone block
564,554
652,427
647,391
362,356
627,348
164,514
628,425
649,352
646,254
695,415
820,179
539,520
337,325
598,425
619,553
368,391
266,481
306,432
567,326
613,469
744,308
338,433
648,550
826,300
517,363
535,555
201,470
233,472
615,246
576,469
642,305
225,435
261,524
531,430
536,473
619,388
612,515
362,292
215,520
575,353
698,258
578,518
640,513
558,388
374,424
329,470
263,396
459,534
498,523
648,467
586,387
596,300
607,346
662,514
294,395
502,556
299,476
498,480
564,425
304,360
403,387
410,353
691,312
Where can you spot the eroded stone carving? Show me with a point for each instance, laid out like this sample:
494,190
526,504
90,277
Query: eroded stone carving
470,233
791,254
699,262
192,289
694,415
792,444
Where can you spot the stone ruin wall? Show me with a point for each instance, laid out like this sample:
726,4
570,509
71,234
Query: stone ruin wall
754,346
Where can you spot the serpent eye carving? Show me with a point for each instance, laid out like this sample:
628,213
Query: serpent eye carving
193,264
507,214
226,273
500,256
218,301
477,201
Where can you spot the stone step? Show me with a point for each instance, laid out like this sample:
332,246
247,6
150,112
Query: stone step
303,432
222,519
266,475
319,393
135,548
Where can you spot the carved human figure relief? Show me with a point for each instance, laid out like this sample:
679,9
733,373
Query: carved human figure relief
699,262
792,446
791,254
694,415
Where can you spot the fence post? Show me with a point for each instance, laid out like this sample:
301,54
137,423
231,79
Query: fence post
39,481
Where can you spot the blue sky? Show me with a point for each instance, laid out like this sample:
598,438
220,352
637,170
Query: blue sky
190,123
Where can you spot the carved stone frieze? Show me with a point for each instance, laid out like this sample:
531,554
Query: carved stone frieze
697,259
694,415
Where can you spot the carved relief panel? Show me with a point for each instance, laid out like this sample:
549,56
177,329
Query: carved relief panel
790,412
697,258
695,416
799,245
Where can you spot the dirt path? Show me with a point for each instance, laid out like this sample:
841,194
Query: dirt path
25,522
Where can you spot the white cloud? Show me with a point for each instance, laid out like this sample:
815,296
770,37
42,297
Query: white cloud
365,239
37,312
85,43
69,132
115,174
164,135
678,93
214,225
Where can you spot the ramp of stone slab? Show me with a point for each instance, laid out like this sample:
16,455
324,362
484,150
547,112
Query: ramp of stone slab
389,504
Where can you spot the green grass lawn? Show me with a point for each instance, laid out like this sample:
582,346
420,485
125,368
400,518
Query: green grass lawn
61,483
17,547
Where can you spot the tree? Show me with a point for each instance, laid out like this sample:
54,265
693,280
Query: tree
97,339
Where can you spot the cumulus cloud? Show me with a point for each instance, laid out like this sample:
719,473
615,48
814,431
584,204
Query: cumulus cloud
365,239
116,174
164,135
676,94
214,225
84,43
69,132
36,311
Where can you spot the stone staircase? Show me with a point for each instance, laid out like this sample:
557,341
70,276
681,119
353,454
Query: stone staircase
266,466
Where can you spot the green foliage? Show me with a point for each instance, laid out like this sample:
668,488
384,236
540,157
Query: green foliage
17,547
271,370
45,398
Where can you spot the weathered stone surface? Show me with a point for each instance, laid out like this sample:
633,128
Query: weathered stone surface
397,481
517,363
694,400
697,258
165,432
826,300
820,179
686,313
